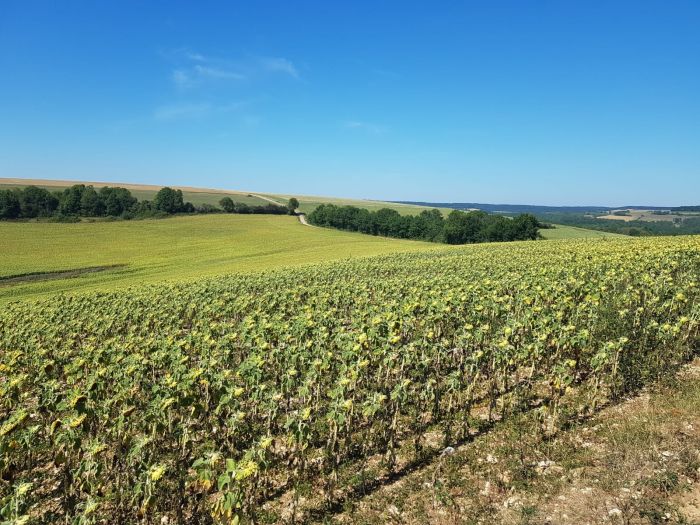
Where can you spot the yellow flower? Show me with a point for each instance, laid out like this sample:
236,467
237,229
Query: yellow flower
157,472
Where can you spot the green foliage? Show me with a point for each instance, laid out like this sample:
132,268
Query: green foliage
268,208
292,205
36,202
196,399
9,204
77,200
429,225
227,204
80,200
169,200
91,204
117,201
70,200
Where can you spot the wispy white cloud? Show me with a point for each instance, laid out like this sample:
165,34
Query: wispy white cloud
194,69
367,127
197,57
279,65
198,74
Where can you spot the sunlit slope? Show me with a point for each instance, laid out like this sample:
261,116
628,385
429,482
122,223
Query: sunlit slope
308,203
179,247
571,232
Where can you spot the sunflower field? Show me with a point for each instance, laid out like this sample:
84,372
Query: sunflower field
274,397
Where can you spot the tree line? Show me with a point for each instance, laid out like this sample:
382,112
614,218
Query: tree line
80,200
458,228
688,225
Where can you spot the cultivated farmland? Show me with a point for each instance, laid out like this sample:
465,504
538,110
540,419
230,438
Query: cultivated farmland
136,252
284,395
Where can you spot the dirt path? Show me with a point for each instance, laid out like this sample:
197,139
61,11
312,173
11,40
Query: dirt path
268,199
302,219
300,215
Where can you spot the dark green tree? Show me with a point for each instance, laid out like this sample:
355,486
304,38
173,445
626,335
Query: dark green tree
292,205
90,203
227,204
169,200
37,202
9,204
71,200
117,201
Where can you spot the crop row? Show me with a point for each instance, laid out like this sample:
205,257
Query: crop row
200,402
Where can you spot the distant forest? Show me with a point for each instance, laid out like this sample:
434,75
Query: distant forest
458,228
690,225
85,201
536,209
584,217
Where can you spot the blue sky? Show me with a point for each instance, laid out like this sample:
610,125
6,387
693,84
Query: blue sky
541,102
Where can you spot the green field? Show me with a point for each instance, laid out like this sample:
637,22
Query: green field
307,204
571,232
246,399
181,248
175,248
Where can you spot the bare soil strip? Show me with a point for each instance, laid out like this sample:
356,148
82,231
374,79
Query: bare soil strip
62,274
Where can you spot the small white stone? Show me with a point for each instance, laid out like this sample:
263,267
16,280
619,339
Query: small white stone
512,502
614,512
393,510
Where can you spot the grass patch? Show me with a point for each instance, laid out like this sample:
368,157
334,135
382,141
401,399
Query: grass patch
174,248
571,232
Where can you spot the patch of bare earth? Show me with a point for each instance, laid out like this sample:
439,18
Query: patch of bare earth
689,504
60,274
637,462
